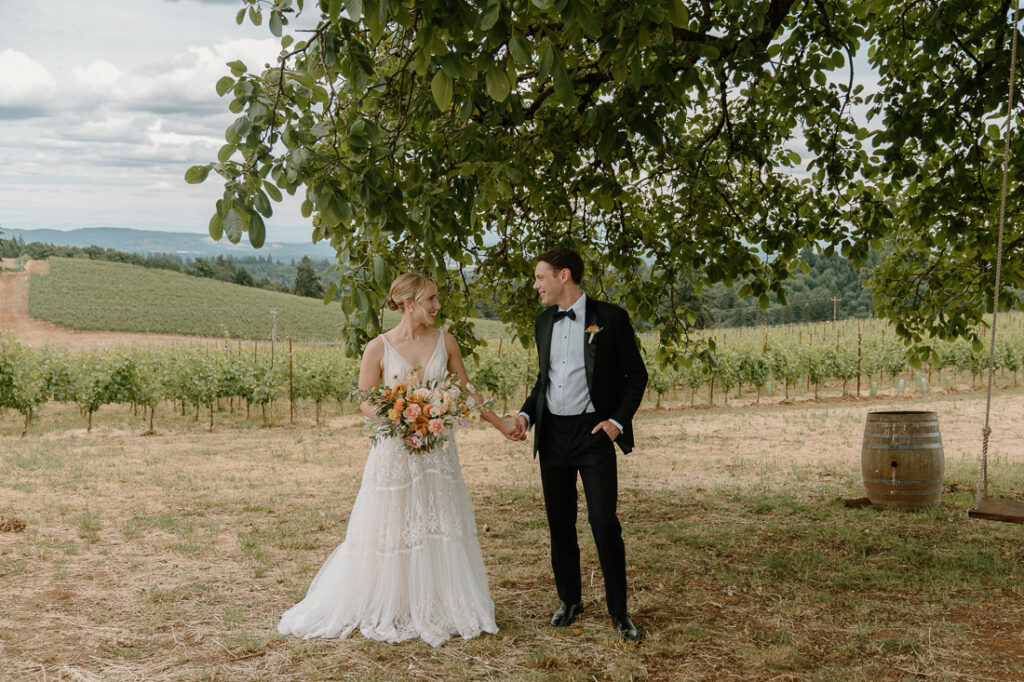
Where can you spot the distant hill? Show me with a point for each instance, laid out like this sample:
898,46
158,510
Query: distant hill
186,245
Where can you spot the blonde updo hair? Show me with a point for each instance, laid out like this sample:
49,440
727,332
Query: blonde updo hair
410,286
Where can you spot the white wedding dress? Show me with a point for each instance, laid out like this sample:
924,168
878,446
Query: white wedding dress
410,565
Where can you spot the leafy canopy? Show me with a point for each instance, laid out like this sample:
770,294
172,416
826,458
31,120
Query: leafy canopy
463,137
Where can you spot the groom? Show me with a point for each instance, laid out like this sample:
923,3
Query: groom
589,386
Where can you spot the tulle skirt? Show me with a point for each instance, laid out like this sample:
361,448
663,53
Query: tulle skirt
410,565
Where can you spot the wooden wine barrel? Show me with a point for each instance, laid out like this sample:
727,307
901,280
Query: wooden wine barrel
901,459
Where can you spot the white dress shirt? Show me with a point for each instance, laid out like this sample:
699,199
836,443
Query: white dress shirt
567,390
568,393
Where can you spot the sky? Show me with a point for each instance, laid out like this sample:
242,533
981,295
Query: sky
105,104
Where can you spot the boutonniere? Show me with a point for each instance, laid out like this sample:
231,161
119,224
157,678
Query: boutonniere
593,330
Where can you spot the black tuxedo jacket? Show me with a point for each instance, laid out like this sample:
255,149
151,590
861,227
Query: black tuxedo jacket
616,374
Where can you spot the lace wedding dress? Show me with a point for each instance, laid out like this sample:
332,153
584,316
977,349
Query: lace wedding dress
410,565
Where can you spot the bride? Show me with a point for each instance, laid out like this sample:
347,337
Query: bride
410,565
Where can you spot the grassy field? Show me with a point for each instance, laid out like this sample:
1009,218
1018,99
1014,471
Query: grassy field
96,295
172,556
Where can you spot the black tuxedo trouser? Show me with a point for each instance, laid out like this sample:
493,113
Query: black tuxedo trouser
567,449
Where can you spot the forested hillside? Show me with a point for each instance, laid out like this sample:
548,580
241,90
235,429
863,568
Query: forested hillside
831,285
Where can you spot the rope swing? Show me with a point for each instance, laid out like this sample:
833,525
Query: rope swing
986,507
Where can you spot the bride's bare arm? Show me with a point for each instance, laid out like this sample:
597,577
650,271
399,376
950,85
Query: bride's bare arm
458,367
370,371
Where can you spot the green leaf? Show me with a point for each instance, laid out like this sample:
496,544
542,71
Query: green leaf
564,89
233,225
272,190
240,17
543,4
679,16
354,9
225,84
216,227
497,83
451,64
275,25
237,67
590,23
257,231
196,174
225,152
490,16
709,51
329,295
334,10
379,272
547,59
519,47
441,89
262,204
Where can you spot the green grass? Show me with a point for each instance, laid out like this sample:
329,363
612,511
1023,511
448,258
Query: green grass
96,295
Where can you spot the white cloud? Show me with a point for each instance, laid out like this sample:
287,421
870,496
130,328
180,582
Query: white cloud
92,84
186,82
25,84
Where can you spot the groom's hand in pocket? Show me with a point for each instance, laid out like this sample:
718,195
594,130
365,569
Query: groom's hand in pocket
611,430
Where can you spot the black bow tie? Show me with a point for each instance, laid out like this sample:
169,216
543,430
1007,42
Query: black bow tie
559,314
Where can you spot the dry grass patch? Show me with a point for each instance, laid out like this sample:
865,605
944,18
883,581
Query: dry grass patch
172,556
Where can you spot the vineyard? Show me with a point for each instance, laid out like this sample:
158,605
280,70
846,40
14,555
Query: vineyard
854,358
97,295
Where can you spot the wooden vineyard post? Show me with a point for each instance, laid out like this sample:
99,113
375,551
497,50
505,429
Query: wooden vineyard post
858,359
291,386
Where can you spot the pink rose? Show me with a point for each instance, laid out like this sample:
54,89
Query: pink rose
412,411
435,426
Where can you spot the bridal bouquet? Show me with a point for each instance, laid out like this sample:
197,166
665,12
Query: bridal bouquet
421,414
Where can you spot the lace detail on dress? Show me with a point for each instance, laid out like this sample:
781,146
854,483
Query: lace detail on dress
410,565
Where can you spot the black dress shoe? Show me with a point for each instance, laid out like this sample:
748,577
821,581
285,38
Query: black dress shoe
566,614
624,626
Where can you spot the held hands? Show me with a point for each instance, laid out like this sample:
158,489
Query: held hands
610,429
513,428
522,426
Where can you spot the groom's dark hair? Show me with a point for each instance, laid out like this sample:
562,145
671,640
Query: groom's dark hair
561,258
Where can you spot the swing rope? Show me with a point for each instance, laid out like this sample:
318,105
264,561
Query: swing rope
986,431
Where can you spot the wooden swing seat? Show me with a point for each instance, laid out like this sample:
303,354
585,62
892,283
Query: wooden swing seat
996,509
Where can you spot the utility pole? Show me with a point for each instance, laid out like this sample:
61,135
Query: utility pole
835,307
